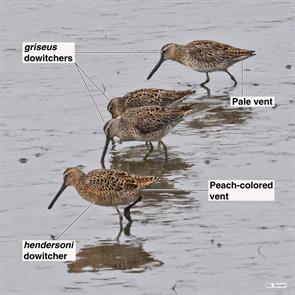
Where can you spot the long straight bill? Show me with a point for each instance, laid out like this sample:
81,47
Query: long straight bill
106,145
155,68
63,187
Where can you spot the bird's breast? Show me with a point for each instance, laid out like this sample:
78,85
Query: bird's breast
111,198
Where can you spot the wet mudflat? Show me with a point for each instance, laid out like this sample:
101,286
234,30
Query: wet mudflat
179,242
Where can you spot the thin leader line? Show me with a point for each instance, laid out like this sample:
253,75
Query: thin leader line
102,92
74,220
172,190
90,93
117,52
242,78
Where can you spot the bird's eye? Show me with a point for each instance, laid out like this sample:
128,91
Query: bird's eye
110,106
65,177
106,129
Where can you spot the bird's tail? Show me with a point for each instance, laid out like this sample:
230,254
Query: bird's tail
244,54
144,181
186,92
251,52
248,53
179,96
191,108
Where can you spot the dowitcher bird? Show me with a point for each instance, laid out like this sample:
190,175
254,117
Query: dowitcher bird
146,97
204,56
149,123
106,187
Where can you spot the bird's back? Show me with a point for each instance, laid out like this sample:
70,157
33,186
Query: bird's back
111,187
155,119
154,97
213,55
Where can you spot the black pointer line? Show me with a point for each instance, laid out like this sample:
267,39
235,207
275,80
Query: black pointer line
242,78
115,52
173,190
79,71
78,68
74,220
102,92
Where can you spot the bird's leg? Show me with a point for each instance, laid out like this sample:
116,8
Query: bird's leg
207,90
165,150
127,229
127,209
206,81
119,213
121,224
151,149
232,77
148,143
120,232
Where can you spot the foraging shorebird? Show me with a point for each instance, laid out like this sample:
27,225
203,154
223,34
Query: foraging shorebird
146,124
203,56
106,187
146,97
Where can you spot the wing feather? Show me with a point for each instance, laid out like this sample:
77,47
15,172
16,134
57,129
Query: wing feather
205,49
152,119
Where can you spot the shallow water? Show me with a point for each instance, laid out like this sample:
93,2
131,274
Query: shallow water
179,243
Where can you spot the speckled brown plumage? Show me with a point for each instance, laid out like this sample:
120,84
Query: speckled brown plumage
146,97
204,56
147,124
106,187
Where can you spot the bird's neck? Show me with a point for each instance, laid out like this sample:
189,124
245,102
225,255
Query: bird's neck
79,180
121,105
122,129
179,54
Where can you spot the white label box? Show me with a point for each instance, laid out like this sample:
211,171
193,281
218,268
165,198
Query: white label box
48,52
49,250
252,101
241,190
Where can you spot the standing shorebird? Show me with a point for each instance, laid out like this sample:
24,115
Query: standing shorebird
204,56
106,187
146,124
146,97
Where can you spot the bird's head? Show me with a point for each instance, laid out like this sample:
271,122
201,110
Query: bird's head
168,51
111,130
116,107
71,176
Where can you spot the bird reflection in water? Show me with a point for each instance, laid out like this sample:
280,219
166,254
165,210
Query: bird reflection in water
113,256
130,159
220,113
